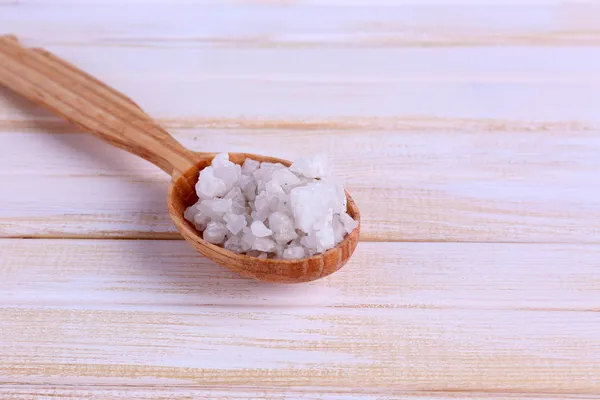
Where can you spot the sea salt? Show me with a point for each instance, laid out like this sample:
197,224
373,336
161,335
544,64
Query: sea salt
267,210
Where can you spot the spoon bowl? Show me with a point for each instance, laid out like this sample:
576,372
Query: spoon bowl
93,106
182,194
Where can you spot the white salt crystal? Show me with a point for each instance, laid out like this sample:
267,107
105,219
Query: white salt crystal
208,185
235,222
234,244
260,230
325,220
314,167
349,223
201,221
220,160
279,248
259,215
293,252
248,238
264,204
265,173
238,200
284,204
268,210
215,233
264,244
244,181
262,201
285,179
226,170
283,227
236,196
249,166
339,230
325,238
310,241
273,188
217,206
271,166
195,215
311,205
190,213
250,191
337,195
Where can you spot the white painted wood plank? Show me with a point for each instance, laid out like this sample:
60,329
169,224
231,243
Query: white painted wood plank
166,392
163,275
458,317
312,3
497,318
222,88
303,63
418,184
308,24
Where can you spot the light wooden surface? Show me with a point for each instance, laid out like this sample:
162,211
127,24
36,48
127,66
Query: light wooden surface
468,132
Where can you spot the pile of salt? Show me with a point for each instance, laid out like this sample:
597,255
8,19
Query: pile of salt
269,210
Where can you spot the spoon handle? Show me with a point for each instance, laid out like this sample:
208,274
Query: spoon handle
89,104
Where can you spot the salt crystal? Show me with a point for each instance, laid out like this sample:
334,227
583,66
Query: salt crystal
235,222
284,204
314,167
311,205
238,200
226,170
249,166
293,252
279,249
309,241
285,179
325,238
250,191
283,227
264,244
248,237
273,188
234,244
201,221
271,166
217,206
339,230
190,213
260,230
215,233
349,223
220,160
209,186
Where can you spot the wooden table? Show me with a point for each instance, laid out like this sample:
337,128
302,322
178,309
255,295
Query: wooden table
468,133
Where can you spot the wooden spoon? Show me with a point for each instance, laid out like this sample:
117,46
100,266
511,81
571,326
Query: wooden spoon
99,109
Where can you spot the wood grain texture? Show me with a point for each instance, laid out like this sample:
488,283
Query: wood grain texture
219,64
514,318
89,104
461,122
497,186
317,23
48,392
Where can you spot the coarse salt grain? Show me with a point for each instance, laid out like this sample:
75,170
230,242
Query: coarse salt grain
268,210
